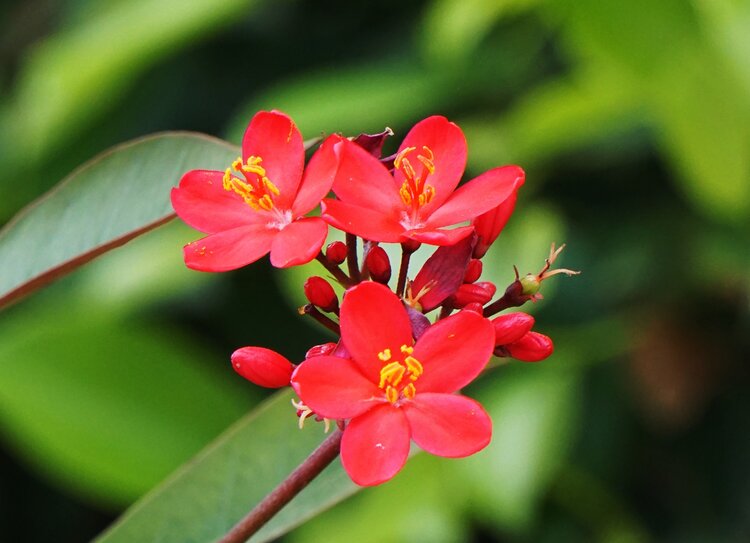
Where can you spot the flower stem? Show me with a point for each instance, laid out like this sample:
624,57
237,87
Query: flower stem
313,311
501,303
337,273
402,271
351,259
310,468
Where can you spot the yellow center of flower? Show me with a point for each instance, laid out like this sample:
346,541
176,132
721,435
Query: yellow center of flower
415,191
397,378
257,190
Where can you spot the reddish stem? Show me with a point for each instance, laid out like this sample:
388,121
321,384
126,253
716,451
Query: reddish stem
339,275
312,466
351,259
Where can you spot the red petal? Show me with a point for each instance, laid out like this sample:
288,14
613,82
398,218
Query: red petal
439,237
444,270
364,222
511,327
230,249
298,242
202,202
453,352
334,387
373,319
477,196
448,146
362,180
318,178
275,138
262,366
448,425
375,445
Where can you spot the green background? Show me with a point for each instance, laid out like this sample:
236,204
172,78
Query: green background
632,120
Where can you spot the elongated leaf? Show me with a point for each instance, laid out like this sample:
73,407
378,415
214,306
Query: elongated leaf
115,197
204,499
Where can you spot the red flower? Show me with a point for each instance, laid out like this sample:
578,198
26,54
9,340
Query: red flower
418,200
394,390
260,206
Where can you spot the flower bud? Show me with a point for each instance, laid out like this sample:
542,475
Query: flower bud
336,252
262,366
320,293
320,350
473,271
476,307
489,225
532,347
378,265
481,293
511,327
530,284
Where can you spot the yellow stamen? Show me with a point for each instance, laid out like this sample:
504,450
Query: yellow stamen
391,374
409,391
391,394
407,350
257,190
414,191
414,367
385,355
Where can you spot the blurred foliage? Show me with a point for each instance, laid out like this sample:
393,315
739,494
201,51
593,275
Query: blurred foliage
632,120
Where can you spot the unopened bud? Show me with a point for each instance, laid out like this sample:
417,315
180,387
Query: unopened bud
262,366
320,293
481,292
474,307
336,252
320,350
489,225
378,265
473,271
511,327
532,347
530,284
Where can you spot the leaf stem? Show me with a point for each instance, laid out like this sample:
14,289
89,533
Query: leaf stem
310,468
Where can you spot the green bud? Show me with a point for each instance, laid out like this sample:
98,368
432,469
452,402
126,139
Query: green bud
530,284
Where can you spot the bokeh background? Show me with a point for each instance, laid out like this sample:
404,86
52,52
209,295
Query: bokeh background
632,120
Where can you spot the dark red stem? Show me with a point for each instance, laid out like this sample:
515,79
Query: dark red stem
351,259
315,313
337,273
402,271
288,489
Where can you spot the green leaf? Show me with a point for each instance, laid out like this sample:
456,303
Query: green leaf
533,412
204,499
106,407
115,197
119,42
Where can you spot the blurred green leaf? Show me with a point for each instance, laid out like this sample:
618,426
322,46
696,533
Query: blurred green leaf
534,415
106,407
116,196
76,75
353,99
204,499
462,24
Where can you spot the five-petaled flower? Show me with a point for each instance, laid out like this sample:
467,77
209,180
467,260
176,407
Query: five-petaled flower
257,205
417,201
393,390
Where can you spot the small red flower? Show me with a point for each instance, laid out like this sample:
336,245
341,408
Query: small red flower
258,205
395,390
420,198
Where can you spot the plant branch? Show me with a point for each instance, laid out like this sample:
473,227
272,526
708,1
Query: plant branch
313,311
403,270
337,273
312,466
351,259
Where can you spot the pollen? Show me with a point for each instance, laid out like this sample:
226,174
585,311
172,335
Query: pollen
257,190
384,355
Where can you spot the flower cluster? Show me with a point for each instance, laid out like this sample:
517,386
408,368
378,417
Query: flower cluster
394,375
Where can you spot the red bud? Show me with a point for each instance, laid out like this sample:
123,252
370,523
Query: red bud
262,366
473,270
378,265
336,252
489,225
481,292
532,347
320,350
320,293
476,307
511,327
